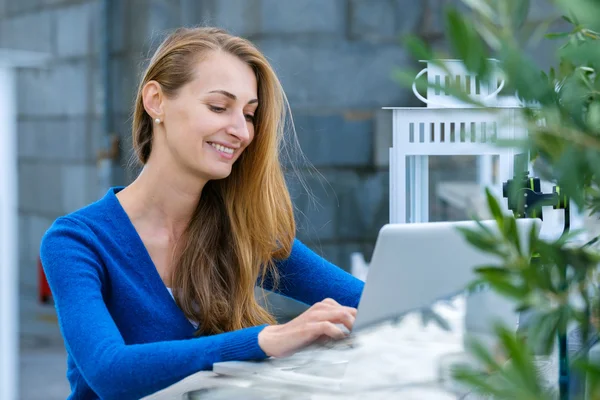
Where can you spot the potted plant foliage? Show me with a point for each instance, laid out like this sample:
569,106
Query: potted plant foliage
555,280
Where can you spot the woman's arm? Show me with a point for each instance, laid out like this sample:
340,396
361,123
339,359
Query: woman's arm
111,368
307,277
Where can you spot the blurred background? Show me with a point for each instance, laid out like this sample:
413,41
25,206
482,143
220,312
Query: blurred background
335,59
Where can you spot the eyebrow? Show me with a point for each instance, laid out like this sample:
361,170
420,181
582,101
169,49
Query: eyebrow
232,96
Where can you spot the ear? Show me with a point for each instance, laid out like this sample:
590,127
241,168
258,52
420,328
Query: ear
152,97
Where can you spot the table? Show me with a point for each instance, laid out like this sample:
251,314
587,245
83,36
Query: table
401,358
394,360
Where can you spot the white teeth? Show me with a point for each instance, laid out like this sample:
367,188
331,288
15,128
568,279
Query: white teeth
222,149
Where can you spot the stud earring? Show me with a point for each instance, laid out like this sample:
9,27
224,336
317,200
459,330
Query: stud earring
157,120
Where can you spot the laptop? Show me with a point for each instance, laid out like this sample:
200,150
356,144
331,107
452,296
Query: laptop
412,267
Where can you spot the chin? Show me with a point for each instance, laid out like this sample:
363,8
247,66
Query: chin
215,175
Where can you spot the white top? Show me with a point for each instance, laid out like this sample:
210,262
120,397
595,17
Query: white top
194,323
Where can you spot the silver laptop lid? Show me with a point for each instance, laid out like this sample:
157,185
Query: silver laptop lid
414,265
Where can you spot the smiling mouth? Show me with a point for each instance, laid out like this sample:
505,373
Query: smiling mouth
222,149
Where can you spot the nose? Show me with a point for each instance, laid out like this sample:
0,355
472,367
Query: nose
239,128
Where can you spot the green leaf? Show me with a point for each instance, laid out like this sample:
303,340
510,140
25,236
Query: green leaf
466,43
417,47
512,234
567,19
543,330
477,380
493,270
592,372
520,13
516,379
510,290
521,358
485,230
552,75
543,279
495,209
558,35
480,241
429,315
482,7
482,354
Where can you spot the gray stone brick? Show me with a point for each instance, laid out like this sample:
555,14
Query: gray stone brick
336,140
76,132
543,51
24,253
34,90
78,29
140,25
54,3
341,205
96,138
382,138
340,75
22,6
54,139
3,8
118,35
125,73
79,186
315,207
303,17
37,227
28,32
240,17
130,34
27,187
73,81
61,90
541,10
26,139
356,204
48,189
163,15
193,12
40,186
363,204
374,19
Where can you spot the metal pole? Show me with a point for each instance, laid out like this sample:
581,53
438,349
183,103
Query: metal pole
9,323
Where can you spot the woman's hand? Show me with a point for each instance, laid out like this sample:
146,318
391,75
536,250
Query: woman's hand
318,322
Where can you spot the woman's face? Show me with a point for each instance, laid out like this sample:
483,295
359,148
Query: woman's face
210,121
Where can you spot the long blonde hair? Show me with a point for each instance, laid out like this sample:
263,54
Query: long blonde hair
242,223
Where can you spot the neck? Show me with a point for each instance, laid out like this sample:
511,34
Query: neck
162,197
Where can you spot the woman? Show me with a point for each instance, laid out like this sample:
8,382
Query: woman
155,281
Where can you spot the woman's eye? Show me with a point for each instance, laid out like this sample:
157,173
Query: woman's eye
216,109
250,117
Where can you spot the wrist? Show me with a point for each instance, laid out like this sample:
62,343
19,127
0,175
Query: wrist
265,339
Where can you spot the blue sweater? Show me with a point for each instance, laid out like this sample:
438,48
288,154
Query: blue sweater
124,334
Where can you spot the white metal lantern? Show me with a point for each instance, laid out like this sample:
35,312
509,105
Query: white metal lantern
422,132
483,91
449,127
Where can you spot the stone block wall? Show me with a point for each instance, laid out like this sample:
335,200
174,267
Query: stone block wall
58,110
335,59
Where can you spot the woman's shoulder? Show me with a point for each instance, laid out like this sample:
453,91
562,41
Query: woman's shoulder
86,221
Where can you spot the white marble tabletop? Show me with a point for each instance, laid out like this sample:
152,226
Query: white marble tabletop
404,358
